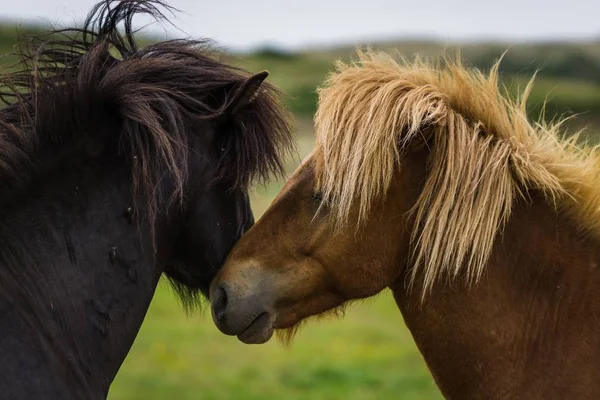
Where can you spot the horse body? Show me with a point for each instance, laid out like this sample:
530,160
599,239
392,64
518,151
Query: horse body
529,328
117,164
426,181
77,278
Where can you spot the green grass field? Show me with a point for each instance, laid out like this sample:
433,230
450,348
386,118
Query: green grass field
369,354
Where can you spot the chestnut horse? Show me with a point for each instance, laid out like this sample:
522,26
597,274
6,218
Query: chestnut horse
426,180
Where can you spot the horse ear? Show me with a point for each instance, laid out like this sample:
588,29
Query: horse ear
245,94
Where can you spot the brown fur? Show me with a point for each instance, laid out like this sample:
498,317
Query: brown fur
501,214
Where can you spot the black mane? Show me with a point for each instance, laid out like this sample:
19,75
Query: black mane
72,81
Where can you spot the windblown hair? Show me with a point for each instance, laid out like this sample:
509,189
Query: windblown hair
73,81
484,155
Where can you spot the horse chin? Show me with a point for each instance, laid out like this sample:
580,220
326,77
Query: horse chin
259,331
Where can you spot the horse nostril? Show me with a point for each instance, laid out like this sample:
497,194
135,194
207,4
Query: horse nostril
219,303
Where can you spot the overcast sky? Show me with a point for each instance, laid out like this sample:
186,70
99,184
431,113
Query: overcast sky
241,24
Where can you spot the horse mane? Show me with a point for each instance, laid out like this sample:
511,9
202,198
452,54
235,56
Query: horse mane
71,81
484,154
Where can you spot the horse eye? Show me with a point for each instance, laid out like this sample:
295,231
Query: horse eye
317,196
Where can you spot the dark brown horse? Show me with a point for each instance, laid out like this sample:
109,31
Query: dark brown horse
117,164
427,181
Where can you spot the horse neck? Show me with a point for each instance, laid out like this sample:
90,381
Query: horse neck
76,279
529,328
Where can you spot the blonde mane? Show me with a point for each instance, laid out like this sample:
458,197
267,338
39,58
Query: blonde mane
485,153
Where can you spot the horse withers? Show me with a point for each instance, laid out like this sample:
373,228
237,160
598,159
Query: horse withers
117,164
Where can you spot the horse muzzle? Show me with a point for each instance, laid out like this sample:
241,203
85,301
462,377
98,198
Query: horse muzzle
247,316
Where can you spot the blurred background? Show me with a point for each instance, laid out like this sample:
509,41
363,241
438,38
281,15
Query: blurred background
369,354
